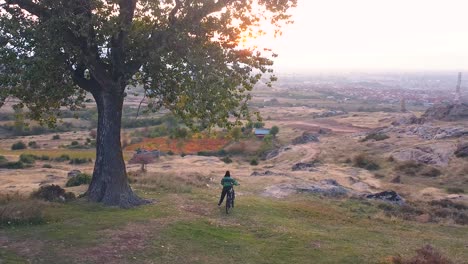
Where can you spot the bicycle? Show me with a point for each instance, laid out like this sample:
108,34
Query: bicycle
230,196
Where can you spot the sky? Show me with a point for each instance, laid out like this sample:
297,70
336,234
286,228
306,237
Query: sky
374,35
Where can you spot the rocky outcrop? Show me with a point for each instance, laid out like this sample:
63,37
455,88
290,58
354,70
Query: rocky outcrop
435,154
302,166
306,138
73,173
387,196
408,120
328,113
327,187
447,112
462,150
266,173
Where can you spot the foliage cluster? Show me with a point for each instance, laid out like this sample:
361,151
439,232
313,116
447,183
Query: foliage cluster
363,161
78,180
53,193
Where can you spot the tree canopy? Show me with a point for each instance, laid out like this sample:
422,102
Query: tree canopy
185,54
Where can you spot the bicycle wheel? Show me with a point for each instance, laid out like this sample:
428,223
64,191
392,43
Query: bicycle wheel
228,202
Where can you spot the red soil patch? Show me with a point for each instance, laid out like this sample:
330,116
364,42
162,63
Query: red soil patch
187,146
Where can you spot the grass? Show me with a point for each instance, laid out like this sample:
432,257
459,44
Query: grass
54,153
189,228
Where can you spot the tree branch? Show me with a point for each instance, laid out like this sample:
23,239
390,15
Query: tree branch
30,6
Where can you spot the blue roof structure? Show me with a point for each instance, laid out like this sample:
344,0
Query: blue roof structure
262,131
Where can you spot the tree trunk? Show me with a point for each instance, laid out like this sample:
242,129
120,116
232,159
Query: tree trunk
110,184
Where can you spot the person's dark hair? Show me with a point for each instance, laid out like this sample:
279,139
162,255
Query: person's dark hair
228,174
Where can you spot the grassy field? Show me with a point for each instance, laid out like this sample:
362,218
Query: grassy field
188,227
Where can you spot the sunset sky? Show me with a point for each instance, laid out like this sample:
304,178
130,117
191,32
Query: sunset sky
331,35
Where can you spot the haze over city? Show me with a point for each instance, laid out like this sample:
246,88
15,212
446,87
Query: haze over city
369,35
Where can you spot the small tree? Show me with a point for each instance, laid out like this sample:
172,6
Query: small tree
274,130
143,159
236,133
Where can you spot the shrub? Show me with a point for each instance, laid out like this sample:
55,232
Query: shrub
78,161
375,136
431,172
18,145
254,162
52,193
33,144
409,167
3,160
226,160
362,161
424,255
170,152
455,190
27,158
15,165
62,158
21,212
47,166
75,143
55,137
44,157
78,180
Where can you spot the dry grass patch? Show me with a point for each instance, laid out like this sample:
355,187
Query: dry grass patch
19,210
168,182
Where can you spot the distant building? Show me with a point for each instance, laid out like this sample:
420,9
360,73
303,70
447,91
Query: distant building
261,132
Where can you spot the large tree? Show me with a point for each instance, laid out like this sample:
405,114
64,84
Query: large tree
185,54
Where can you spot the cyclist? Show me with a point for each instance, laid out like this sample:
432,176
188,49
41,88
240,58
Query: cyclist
227,183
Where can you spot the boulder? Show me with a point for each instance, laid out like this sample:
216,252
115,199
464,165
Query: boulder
447,112
435,154
301,166
73,173
306,138
266,173
462,150
408,120
387,196
327,187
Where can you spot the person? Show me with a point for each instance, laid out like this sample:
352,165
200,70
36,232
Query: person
227,182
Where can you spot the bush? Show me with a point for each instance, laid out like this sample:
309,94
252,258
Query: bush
52,193
254,162
55,137
170,153
226,160
28,158
362,161
18,145
47,166
455,190
409,167
33,144
75,143
3,160
62,158
15,165
44,157
78,161
78,180
424,255
431,172
21,212
375,136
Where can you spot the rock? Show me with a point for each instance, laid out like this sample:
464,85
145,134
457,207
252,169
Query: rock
329,113
266,173
304,166
326,188
397,179
305,138
435,154
73,173
408,120
271,154
462,150
447,112
387,196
